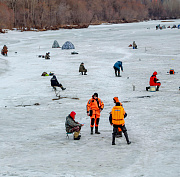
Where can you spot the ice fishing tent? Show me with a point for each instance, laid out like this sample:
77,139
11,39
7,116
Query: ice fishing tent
55,44
68,45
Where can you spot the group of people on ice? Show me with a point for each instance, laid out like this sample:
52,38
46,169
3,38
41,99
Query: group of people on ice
94,107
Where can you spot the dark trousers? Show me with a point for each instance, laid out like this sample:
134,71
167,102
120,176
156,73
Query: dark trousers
115,131
117,71
96,122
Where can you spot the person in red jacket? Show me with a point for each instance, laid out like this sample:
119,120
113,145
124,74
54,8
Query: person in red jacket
153,82
94,107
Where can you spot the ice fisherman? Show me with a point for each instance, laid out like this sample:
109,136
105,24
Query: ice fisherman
55,83
4,51
116,119
47,56
134,45
117,66
94,108
73,126
82,69
153,82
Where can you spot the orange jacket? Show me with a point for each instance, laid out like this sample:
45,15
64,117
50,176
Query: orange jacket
93,104
118,113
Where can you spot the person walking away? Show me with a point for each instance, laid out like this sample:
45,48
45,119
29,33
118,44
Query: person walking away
82,69
117,66
119,133
94,108
153,82
55,83
73,126
116,119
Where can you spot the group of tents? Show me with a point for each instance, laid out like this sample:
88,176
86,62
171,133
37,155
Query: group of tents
66,45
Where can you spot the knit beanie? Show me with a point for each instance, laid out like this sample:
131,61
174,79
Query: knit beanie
72,114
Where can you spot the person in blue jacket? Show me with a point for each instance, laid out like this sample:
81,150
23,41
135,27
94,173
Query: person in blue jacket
117,67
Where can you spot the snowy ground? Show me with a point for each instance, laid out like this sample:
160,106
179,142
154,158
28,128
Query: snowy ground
33,142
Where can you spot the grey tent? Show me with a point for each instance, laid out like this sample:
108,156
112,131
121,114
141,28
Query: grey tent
68,45
55,44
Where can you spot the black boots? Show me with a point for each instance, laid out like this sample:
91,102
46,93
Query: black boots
113,139
96,130
127,139
78,138
147,88
91,130
63,88
157,89
126,136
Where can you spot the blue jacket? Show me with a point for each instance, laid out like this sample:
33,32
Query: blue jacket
118,64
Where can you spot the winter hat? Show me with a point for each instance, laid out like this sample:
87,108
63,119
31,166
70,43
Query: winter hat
95,94
72,114
155,73
116,99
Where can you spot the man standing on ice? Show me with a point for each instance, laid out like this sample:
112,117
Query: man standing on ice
94,107
117,66
116,119
119,133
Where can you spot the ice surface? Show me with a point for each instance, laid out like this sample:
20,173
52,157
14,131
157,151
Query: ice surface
33,141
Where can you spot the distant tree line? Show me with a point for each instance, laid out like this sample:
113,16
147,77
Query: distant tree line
47,14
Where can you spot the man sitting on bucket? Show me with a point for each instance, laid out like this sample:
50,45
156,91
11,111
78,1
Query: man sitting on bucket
73,126
153,82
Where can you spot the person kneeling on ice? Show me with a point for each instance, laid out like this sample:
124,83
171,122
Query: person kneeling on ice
73,126
116,119
153,82
55,83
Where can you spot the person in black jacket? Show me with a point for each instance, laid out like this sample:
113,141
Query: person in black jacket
55,83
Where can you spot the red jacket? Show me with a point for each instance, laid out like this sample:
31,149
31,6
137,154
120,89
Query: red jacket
153,79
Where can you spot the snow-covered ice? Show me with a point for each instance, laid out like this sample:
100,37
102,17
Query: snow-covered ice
33,141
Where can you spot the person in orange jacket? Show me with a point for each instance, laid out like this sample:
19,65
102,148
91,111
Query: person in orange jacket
119,133
94,107
116,119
